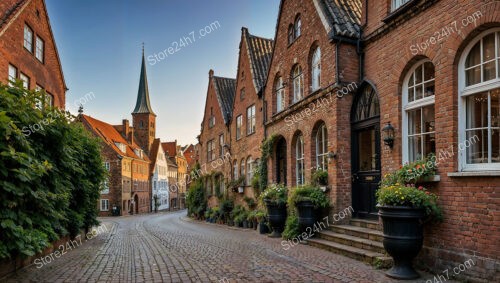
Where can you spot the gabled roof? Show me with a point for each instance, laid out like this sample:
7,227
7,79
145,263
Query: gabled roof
153,155
343,17
260,51
9,11
189,153
109,135
170,148
143,105
225,89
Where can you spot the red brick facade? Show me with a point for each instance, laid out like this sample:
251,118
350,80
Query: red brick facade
45,73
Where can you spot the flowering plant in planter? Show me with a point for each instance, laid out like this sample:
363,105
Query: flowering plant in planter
409,196
275,193
410,173
309,193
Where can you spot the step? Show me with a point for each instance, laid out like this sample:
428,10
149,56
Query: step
359,232
360,243
378,260
370,224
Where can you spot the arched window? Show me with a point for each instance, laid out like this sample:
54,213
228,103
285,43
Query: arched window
242,168
235,170
419,131
280,95
367,105
479,103
316,69
299,160
298,83
291,34
249,170
321,148
297,26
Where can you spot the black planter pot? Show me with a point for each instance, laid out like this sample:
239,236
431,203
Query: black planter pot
255,224
306,214
263,228
277,218
245,224
403,238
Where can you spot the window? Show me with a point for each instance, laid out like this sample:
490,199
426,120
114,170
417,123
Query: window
251,120
242,168
26,80
297,26
105,187
291,33
249,170
298,83
419,132
280,95
39,52
235,170
239,124
12,74
104,205
321,148
210,150
107,166
242,94
299,167
211,121
398,3
38,102
316,69
479,103
28,38
121,147
221,145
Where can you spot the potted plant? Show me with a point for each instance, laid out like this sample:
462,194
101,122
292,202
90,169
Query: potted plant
308,200
320,179
215,215
261,217
404,209
275,197
208,214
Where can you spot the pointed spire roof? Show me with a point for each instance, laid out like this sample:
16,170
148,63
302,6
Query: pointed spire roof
143,105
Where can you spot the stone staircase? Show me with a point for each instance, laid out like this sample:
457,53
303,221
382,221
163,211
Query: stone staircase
360,240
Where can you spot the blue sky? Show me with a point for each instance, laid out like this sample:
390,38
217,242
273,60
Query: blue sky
100,45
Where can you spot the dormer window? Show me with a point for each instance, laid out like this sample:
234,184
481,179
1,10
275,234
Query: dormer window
121,147
138,152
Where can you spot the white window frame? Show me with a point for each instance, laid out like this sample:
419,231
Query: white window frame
297,27
12,79
242,169
249,170
280,95
28,42
322,156
221,145
251,120
398,3
25,79
39,48
316,69
408,106
239,125
298,83
105,187
463,92
299,161
104,205
235,170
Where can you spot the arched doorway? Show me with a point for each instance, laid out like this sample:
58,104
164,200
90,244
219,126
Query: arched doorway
281,161
136,204
365,134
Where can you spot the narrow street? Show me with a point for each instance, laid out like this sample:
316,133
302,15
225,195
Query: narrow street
168,247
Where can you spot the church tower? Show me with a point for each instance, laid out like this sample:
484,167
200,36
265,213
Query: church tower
143,117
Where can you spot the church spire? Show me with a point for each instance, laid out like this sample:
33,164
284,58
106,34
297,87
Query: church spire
143,106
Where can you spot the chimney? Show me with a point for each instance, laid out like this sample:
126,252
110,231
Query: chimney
130,137
211,73
125,128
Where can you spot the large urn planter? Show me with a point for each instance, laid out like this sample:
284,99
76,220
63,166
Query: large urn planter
306,214
277,218
403,238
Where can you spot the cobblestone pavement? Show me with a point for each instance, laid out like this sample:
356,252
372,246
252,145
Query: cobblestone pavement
167,247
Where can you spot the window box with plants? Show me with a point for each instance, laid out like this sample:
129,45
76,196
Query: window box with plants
320,179
404,208
309,201
275,197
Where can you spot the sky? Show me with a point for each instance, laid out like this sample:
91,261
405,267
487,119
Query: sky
100,46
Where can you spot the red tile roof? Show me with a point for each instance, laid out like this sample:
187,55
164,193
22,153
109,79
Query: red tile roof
170,148
189,155
110,136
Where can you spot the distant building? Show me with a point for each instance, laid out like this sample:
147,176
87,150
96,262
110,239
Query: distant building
160,196
28,50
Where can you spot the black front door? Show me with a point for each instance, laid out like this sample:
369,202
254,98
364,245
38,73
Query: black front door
366,173
365,127
281,162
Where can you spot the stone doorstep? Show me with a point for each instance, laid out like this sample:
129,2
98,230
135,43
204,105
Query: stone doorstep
370,257
360,243
360,232
370,224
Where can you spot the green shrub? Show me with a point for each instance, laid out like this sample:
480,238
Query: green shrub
275,193
196,200
320,177
291,227
309,193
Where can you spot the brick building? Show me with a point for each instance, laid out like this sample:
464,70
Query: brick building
28,50
342,70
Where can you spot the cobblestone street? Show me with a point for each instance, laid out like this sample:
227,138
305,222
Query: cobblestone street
170,248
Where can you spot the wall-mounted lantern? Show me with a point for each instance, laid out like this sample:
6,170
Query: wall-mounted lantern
388,135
